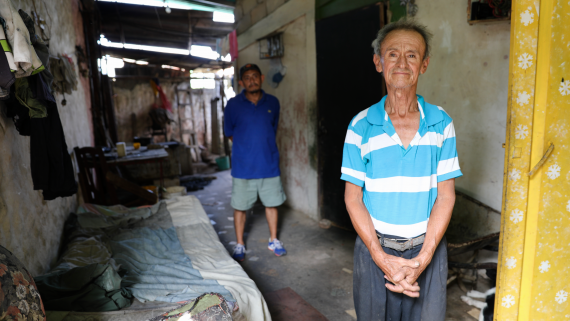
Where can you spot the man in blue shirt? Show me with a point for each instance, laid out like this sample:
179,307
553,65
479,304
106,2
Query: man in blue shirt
250,122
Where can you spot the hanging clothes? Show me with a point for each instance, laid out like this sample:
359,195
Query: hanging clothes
6,77
52,170
26,97
18,36
64,78
233,45
39,46
6,46
155,84
7,66
19,114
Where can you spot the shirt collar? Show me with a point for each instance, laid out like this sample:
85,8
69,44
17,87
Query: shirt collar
430,114
243,98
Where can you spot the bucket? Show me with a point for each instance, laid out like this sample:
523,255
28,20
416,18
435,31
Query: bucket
173,191
223,163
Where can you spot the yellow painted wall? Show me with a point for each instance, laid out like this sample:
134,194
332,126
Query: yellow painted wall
534,258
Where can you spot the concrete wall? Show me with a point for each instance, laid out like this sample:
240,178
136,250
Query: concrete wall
296,136
30,227
250,12
136,96
468,77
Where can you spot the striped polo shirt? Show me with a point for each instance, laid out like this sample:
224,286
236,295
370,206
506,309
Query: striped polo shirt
400,185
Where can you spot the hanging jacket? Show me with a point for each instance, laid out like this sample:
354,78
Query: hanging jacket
7,66
6,77
20,114
6,47
26,97
52,170
18,36
39,46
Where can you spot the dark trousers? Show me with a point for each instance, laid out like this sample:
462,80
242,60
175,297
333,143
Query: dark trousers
374,302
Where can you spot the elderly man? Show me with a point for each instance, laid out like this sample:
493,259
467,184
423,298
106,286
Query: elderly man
400,164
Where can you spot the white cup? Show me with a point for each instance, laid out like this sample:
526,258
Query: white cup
121,149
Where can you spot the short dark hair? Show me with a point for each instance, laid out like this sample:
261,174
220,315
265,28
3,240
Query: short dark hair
406,25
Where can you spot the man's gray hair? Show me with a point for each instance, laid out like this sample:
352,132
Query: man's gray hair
406,25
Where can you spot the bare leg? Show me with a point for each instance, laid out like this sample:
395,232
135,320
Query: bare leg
272,215
239,223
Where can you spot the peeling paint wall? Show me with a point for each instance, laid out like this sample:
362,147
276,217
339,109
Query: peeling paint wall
296,136
468,77
30,227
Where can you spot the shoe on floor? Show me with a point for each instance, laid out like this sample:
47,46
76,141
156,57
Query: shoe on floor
277,247
239,252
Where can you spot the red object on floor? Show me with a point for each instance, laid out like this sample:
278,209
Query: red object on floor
287,305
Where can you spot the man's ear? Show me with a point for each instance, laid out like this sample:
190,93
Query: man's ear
377,63
241,84
425,64
262,79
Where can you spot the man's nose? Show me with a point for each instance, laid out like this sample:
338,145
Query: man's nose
402,62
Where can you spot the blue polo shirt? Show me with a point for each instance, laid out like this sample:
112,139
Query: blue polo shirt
400,184
253,127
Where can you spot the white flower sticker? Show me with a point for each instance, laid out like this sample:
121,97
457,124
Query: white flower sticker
564,88
525,61
527,17
517,216
544,266
508,301
523,98
514,175
561,296
511,262
568,206
521,132
553,171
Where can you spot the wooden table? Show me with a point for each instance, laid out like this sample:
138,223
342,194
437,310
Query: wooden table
140,156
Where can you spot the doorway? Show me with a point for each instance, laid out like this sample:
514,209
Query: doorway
347,83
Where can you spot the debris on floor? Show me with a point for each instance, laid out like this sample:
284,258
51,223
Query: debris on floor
195,183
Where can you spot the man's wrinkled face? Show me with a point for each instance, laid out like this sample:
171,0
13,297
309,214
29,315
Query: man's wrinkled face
401,58
251,81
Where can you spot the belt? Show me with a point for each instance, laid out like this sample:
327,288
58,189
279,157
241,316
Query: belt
401,244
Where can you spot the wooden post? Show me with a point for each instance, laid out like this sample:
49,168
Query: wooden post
90,25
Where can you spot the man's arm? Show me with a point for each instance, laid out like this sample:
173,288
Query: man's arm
437,225
229,120
392,266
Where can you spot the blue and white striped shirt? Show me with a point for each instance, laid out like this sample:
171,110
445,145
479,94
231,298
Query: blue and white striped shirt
400,185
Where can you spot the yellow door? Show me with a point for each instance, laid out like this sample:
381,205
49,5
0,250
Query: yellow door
534,257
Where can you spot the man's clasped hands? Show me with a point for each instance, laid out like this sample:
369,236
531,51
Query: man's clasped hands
402,273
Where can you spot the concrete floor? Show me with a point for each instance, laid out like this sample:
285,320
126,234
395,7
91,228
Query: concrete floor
319,262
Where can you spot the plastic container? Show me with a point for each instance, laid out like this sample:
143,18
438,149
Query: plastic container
223,163
174,191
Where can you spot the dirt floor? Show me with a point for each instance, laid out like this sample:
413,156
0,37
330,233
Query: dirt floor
319,264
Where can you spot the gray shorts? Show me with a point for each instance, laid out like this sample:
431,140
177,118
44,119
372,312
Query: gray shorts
245,191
